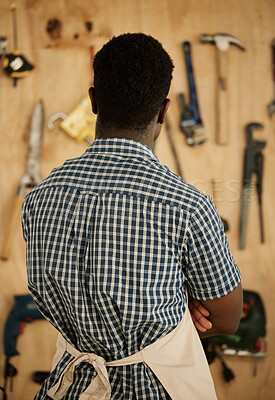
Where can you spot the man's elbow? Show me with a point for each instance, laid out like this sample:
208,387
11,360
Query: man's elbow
229,328
232,316
225,313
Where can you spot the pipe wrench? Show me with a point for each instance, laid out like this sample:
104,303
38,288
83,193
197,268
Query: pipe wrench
30,178
253,164
191,123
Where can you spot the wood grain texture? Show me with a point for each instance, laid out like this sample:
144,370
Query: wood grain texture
61,78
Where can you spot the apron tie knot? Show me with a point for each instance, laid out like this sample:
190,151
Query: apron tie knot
99,388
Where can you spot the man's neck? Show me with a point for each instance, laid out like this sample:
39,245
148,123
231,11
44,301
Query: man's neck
142,137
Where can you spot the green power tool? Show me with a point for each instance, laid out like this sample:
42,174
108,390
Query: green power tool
248,341
251,328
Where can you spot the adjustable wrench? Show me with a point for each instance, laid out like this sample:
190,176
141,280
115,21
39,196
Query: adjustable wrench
191,123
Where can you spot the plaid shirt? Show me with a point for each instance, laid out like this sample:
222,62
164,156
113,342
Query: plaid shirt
112,239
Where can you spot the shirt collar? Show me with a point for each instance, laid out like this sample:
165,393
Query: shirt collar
124,147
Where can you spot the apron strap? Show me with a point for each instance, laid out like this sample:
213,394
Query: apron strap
100,387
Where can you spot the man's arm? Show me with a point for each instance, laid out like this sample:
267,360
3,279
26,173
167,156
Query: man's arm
224,314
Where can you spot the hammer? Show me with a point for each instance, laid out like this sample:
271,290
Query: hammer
222,41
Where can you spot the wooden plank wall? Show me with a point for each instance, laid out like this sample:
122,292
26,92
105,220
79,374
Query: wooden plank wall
61,78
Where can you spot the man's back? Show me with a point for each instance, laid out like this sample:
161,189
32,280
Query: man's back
112,238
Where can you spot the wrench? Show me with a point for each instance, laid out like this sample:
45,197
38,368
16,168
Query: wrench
191,123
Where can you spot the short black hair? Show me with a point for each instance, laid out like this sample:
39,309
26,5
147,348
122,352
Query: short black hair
132,77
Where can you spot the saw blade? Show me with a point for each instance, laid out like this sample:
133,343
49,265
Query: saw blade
35,143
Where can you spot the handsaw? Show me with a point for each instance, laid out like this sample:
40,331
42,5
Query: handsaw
30,178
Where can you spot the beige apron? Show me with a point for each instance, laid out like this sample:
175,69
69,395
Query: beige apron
177,359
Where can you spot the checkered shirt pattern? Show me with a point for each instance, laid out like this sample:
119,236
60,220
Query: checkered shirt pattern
112,238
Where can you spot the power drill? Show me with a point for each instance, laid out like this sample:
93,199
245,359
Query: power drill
24,311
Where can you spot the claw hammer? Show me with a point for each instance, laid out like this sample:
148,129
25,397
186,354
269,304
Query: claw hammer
222,41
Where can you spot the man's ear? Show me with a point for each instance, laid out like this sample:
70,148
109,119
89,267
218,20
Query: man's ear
163,110
93,100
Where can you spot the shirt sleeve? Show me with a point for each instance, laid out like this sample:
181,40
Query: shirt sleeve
25,220
209,266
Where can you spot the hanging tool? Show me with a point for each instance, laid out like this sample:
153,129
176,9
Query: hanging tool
222,42
3,46
24,311
15,64
173,147
248,341
253,163
4,393
191,123
252,327
30,179
80,123
271,105
228,374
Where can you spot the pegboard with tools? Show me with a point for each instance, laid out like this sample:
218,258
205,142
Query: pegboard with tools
223,87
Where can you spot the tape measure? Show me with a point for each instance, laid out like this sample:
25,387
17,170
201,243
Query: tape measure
16,65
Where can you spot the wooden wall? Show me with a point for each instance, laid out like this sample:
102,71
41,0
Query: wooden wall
61,78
